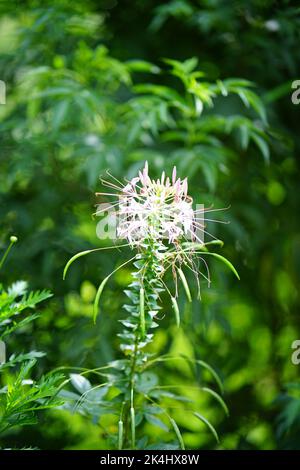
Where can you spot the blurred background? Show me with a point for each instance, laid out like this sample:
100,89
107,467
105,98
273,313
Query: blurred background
88,88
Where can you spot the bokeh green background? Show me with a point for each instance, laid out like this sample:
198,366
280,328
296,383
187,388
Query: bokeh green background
79,101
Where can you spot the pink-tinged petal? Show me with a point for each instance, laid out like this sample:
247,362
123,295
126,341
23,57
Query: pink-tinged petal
141,177
177,187
163,177
185,187
145,172
174,175
134,181
167,182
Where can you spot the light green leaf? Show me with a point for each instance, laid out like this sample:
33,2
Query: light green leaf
80,383
156,422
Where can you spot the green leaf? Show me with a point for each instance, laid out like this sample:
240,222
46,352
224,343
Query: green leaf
244,131
262,145
80,383
146,382
156,422
208,424
142,66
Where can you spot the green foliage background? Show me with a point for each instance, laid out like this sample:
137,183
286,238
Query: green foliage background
89,88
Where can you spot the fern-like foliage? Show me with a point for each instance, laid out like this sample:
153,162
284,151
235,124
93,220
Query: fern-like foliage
21,396
15,300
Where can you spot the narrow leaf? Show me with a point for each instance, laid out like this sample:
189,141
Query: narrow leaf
156,422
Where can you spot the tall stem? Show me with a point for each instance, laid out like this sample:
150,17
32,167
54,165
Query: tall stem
143,293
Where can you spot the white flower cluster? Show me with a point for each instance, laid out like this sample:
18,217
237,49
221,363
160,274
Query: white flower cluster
156,210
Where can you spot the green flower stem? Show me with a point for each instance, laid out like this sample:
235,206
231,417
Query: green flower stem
143,293
13,240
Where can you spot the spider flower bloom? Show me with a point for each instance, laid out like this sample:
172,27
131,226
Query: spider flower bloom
156,209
